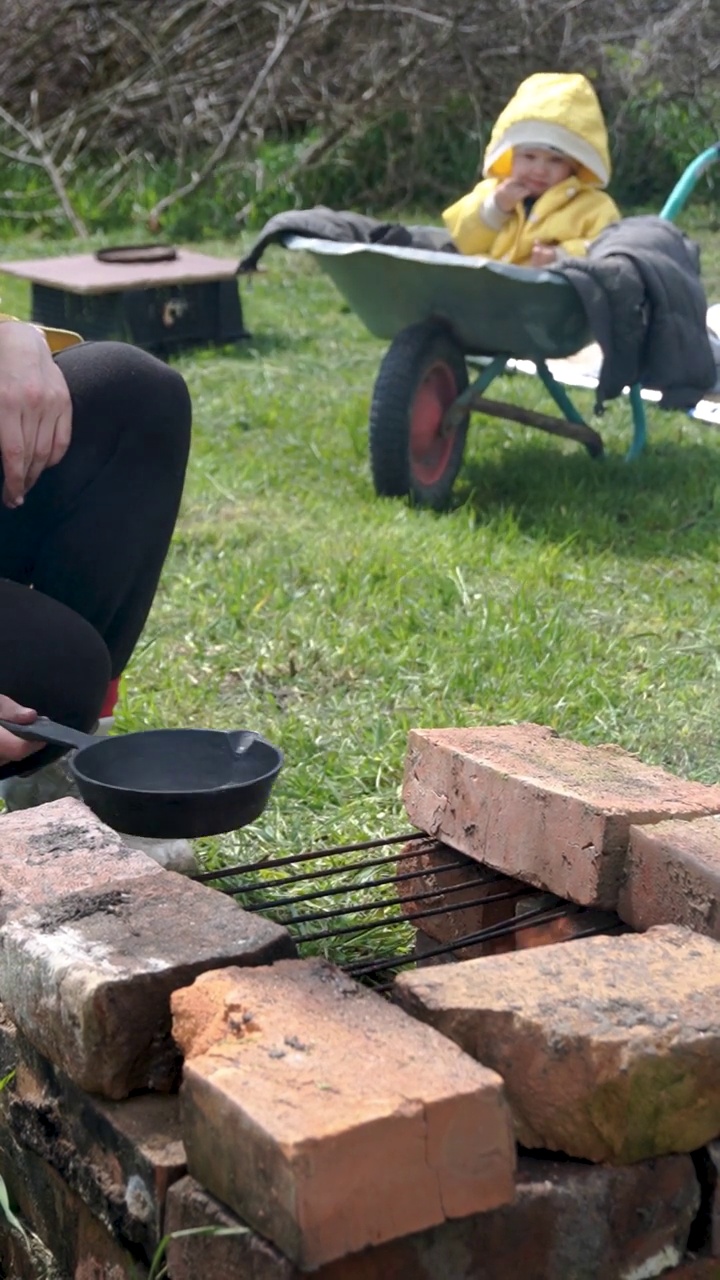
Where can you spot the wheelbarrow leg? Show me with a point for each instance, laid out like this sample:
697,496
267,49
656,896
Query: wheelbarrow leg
639,439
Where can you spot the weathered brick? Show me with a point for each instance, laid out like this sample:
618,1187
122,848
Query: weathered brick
569,1221
65,1235
713,1155
609,1047
88,975
59,848
571,924
119,1157
328,1119
539,807
244,1255
672,876
457,897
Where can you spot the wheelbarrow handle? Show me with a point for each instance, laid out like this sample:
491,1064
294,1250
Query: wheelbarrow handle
44,730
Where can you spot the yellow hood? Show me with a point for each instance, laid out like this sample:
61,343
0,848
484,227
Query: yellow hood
552,110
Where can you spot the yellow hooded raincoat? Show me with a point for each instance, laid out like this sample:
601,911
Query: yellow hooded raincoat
548,110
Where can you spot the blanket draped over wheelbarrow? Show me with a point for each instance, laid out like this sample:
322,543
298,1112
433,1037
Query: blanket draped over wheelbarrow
641,289
344,226
639,285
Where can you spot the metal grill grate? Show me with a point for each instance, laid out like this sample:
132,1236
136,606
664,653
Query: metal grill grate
336,904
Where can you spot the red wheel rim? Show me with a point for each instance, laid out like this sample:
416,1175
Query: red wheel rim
430,447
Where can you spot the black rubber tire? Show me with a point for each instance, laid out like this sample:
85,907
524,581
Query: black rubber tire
415,354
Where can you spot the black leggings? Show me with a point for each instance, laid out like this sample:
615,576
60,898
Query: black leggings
92,536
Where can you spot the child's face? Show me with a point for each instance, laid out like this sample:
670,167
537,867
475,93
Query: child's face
539,169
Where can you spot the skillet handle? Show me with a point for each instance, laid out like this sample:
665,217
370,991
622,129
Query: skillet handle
44,730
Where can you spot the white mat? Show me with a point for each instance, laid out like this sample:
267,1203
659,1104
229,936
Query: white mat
583,369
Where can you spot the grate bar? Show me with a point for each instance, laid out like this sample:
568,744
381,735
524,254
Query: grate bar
593,932
270,903
541,915
264,863
506,895
353,866
402,918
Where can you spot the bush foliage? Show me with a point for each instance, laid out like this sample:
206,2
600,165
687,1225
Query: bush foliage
199,112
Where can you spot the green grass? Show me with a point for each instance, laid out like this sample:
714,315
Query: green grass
576,594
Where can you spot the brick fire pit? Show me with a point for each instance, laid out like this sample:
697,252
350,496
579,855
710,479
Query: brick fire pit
538,1110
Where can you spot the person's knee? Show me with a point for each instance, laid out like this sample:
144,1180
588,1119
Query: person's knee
116,379
51,658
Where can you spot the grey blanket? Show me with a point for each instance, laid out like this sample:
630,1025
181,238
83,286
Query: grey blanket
641,289
351,228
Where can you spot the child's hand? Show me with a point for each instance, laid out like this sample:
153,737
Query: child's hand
509,193
542,255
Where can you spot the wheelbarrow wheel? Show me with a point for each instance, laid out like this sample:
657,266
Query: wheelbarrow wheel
421,375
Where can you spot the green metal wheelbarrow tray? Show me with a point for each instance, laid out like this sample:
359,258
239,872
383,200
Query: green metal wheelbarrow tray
441,308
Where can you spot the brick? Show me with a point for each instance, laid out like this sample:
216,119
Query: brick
119,1157
65,1240
569,1221
452,887
567,927
713,1155
87,976
227,1257
58,847
456,897
328,1119
540,808
672,876
609,1048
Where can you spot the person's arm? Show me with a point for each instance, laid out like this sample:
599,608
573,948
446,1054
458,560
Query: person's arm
35,409
599,214
12,748
475,219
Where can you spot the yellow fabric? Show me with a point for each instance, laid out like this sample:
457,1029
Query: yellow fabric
57,339
568,215
557,101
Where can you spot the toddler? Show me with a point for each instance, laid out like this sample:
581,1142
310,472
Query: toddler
544,171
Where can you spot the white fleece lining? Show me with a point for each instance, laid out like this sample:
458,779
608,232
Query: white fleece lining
492,215
556,136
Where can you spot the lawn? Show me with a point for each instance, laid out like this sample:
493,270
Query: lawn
573,593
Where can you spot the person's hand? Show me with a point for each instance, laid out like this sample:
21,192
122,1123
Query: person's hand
509,193
12,748
543,255
35,409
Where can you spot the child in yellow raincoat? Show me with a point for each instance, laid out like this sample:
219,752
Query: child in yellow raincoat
544,171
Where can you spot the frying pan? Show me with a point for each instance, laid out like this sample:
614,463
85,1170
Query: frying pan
171,783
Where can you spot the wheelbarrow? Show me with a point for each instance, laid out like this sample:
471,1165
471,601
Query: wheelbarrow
440,311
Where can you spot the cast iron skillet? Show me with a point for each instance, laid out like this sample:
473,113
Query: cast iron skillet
171,783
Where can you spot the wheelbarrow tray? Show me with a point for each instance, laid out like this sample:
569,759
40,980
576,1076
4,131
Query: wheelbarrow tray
492,308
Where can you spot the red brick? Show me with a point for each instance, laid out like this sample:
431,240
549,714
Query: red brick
119,1157
59,848
713,1156
326,1117
672,876
215,1257
540,808
64,1228
455,897
609,1048
88,976
569,1221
